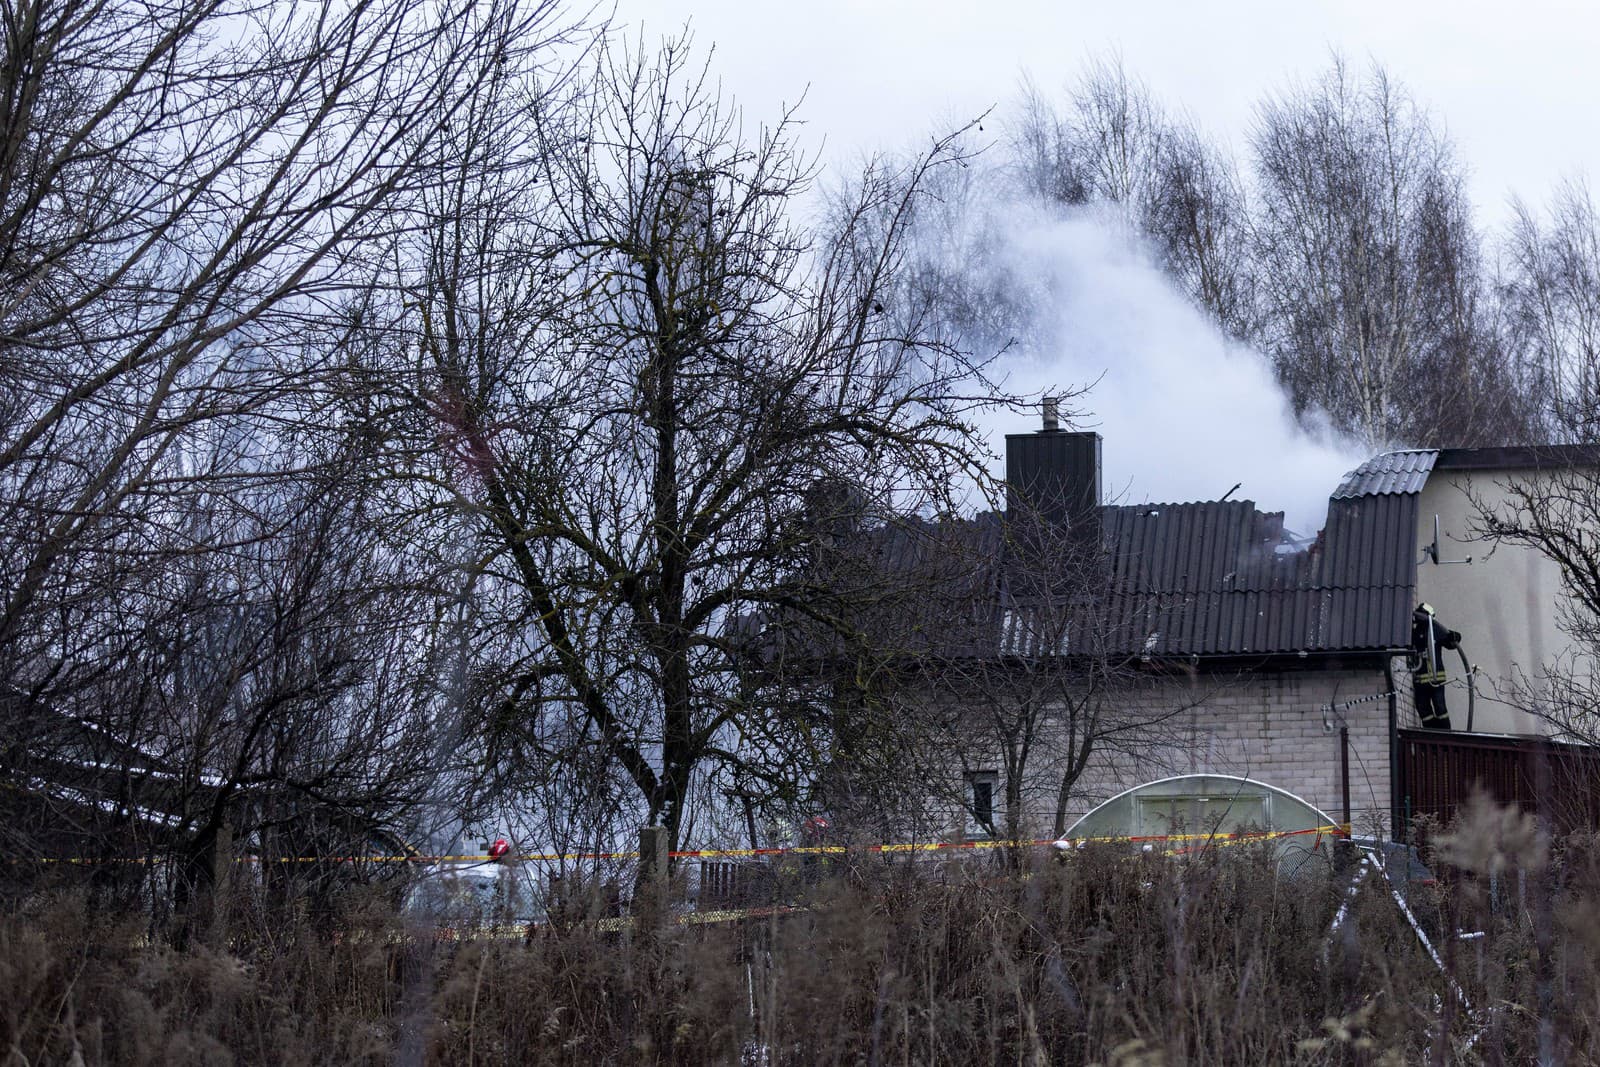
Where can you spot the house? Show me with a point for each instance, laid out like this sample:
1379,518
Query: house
1239,650
1509,596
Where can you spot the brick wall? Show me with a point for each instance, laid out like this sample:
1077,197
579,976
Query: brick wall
1266,725
1407,707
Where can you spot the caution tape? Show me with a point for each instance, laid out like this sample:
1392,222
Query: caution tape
1236,837
1329,830
1320,831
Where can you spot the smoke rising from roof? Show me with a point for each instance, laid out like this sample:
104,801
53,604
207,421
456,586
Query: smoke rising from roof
1184,412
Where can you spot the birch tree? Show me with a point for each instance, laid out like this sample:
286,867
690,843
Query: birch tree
1362,235
1551,299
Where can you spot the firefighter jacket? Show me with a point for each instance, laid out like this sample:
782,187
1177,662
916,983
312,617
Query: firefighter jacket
1428,637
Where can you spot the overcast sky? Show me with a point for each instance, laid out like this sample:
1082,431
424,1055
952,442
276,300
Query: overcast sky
1515,88
1515,84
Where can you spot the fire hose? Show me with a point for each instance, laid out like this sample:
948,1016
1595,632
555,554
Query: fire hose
1468,671
1471,674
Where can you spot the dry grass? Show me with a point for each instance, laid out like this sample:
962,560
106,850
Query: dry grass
1107,958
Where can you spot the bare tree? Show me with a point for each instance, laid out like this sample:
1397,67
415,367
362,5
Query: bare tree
961,280
1111,143
1103,148
641,379
1368,262
267,693
1472,382
987,677
1197,215
1550,293
199,204
186,184
1063,693
1348,254
1551,298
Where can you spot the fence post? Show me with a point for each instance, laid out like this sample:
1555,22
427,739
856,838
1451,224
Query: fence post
221,883
1344,775
1343,847
651,887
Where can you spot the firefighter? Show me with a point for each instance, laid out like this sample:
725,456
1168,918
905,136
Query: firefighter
1428,638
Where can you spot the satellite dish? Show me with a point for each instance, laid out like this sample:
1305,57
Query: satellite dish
1432,551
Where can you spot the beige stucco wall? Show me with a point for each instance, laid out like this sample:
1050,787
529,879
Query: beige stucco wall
1504,603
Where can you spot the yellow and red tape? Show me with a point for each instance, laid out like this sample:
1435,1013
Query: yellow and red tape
1183,840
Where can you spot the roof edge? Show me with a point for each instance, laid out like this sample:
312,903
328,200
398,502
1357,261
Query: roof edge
1396,472
1518,457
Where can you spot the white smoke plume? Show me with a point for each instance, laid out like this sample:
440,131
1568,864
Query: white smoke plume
1185,413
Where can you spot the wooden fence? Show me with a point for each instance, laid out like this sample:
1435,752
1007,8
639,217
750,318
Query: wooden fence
1439,771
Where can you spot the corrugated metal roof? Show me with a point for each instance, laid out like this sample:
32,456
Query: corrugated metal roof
1391,472
916,587
1215,578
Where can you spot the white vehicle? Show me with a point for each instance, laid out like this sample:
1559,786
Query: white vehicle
473,895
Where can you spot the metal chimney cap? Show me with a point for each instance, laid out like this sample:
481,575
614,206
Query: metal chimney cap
1052,415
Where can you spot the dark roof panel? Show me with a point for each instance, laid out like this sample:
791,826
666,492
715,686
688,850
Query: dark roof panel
1217,578
1391,472
1524,457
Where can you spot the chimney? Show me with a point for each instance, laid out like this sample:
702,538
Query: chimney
1056,474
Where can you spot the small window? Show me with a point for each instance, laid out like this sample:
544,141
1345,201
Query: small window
983,798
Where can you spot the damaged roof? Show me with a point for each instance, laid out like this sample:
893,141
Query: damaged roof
1217,578
1210,579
